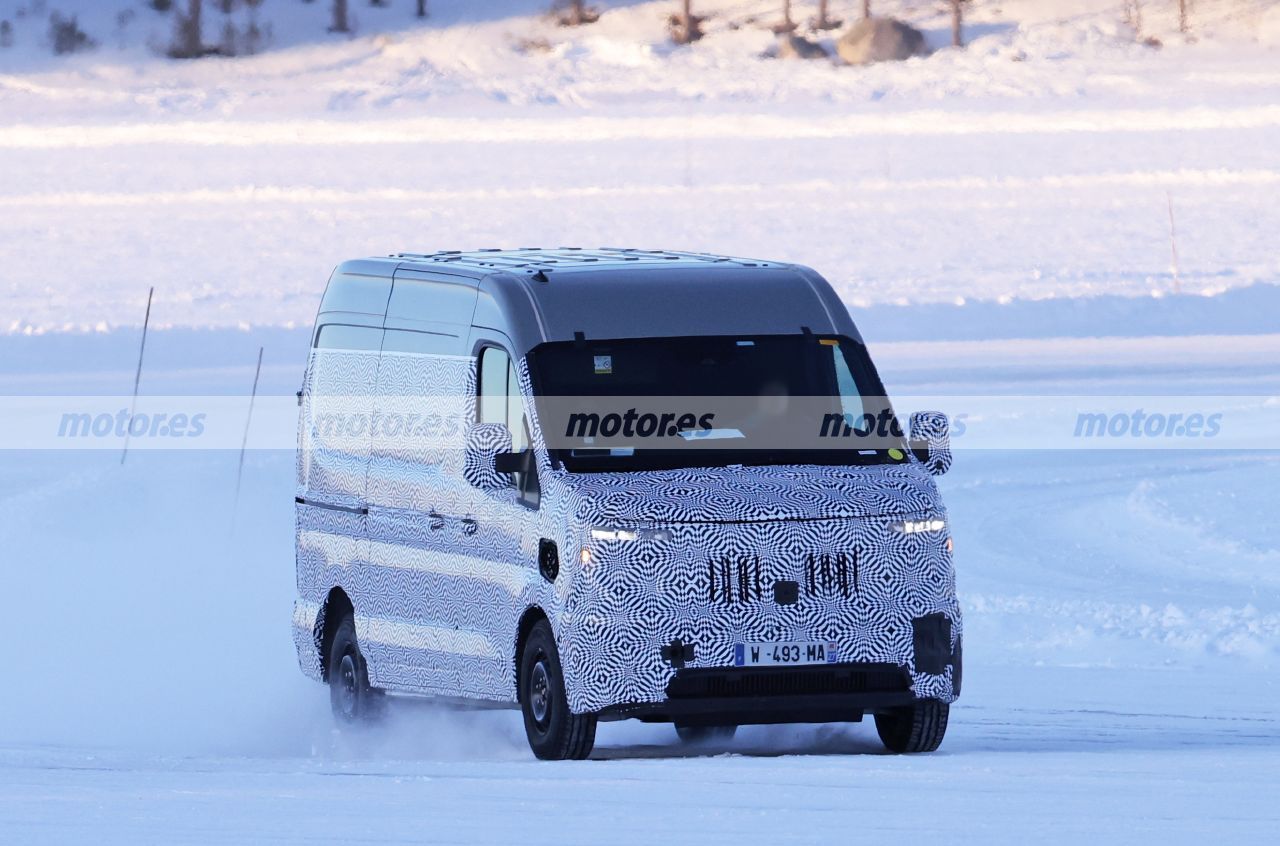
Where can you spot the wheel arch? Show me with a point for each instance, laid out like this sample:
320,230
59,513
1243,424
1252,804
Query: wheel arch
336,606
528,620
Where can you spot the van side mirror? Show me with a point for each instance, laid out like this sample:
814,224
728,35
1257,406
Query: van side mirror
514,462
931,440
485,442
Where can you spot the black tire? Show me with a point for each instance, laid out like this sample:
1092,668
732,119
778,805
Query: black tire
918,728
353,701
554,733
705,734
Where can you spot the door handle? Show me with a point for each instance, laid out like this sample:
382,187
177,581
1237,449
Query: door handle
470,526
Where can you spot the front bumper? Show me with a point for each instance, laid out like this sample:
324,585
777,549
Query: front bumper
882,596
763,695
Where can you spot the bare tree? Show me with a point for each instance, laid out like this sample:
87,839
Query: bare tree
1184,24
957,23
1133,17
685,28
787,24
824,19
575,13
340,21
187,43
866,9
422,8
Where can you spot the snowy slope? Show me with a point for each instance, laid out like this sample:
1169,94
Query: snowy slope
1039,165
468,56
235,233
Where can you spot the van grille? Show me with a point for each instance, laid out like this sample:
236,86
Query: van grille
739,580
831,574
735,579
793,681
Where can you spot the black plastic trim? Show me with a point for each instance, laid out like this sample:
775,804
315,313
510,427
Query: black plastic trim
765,695
329,506
931,638
548,559
762,710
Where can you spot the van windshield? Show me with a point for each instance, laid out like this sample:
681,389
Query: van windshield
656,403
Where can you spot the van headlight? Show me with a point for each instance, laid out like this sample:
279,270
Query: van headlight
599,536
915,527
608,533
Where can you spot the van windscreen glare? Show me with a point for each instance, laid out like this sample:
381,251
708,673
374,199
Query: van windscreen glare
654,403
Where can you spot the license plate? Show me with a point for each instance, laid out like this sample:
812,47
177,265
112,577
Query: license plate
792,654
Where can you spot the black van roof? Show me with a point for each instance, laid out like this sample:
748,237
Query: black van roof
533,260
538,295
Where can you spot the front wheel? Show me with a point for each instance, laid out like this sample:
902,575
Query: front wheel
916,728
555,734
350,695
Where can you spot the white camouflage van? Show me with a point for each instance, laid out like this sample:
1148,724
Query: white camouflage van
610,484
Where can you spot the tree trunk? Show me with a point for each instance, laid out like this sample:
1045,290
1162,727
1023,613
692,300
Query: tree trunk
957,24
1183,23
190,44
866,9
340,23
686,31
422,8
786,13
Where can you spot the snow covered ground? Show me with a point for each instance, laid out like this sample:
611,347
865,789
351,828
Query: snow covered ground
987,213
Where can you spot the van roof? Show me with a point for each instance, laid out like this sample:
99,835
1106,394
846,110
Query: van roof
539,295
532,260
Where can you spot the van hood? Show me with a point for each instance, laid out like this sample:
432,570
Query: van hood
752,494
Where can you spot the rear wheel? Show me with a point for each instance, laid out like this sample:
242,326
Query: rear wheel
555,734
705,734
917,728
350,695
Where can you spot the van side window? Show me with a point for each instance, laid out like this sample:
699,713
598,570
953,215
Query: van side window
419,343
339,336
851,402
353,292
494,364
516,421
500,401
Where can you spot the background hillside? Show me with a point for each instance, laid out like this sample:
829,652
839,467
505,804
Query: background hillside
1038,180
471,55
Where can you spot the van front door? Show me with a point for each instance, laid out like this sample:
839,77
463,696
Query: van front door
498,528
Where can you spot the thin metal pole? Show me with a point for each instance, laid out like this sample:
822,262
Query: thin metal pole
1173,245
244,444
137,377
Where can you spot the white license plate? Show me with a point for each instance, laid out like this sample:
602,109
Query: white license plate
792,654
